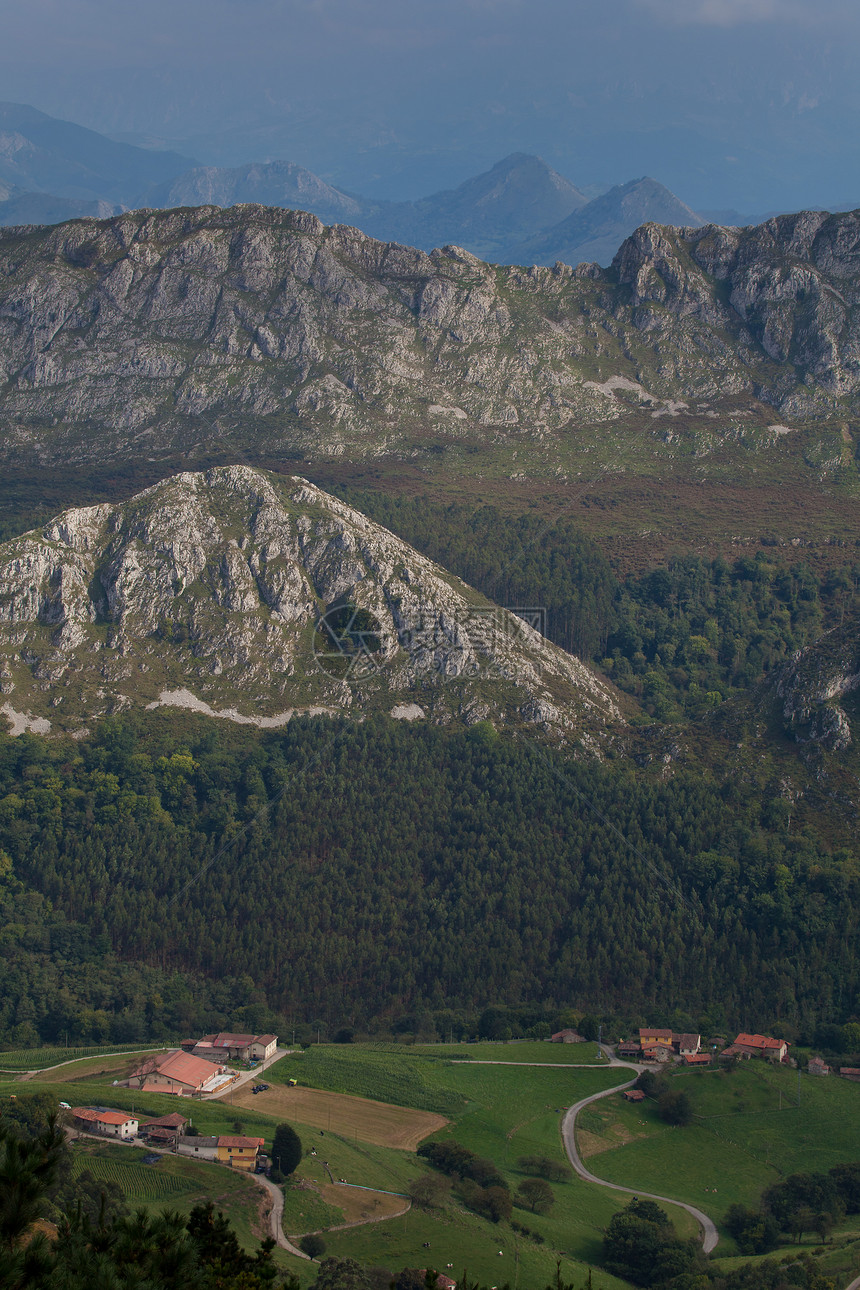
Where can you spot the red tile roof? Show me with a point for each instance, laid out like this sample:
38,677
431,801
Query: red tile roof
649,1033
231,1140
759,1041
186,1069
101,1117
264,1039
173,1121
227,1040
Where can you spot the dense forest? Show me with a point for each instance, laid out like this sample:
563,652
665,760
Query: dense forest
682,638
167,874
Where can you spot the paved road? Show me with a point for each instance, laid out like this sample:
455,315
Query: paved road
568,1131
277,1215
855,1284
247,1076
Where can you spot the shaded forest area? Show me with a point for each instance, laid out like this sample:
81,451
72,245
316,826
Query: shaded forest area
171,874
682,638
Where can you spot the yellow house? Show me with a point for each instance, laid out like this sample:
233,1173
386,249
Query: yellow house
238,1152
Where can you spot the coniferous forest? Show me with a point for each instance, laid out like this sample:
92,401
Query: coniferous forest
170,874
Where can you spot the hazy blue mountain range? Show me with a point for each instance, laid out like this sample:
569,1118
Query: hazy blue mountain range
521,210
596,231
41,154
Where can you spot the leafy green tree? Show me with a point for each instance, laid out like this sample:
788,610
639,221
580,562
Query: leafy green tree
341,1274
536,1194
313,1245
675,1107
286,1149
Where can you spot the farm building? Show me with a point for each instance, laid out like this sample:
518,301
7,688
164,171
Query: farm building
850,1072
165,1129
816,1066
236,1047
775,1050
239,1152
683,1044
567,1037
633,1095
629,1049
697,1059
112,1124
179,1073
650,1036
202,1148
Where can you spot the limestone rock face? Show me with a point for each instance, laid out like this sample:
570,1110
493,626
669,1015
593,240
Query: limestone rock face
813,685
256,595
260,329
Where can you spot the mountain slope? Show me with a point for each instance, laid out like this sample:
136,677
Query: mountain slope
260,330
253,596
43,154
596,231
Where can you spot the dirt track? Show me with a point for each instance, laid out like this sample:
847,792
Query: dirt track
375,1122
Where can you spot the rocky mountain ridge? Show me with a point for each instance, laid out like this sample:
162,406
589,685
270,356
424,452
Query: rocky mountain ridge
252,597
261,331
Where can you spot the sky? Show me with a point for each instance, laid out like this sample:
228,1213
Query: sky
749,105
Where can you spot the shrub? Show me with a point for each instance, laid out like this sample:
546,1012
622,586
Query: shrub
313,1245
675,1107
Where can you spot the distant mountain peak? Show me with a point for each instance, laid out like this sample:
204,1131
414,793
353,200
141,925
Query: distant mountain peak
596,231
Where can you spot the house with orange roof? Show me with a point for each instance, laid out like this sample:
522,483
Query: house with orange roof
775,1050
112,1124
180,1073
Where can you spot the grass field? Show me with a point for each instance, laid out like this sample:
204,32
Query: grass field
38,1059
739,1142
516,1051
748,1132
384,1073
369,1121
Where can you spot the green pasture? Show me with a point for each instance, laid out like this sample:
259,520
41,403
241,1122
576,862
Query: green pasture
740,1140
385,1073
468,1243
528,1051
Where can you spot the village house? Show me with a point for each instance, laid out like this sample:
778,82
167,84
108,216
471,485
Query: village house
164,1130
567,1037
233,1047
685,1045
112,1124
179,1073
815,1066
633,1095
239,1152
198,1146
775,1050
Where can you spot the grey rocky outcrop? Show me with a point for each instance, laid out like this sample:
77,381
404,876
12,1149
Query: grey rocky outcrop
256,595
260,330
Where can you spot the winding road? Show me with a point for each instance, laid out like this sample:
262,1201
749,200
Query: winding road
277,1215
568,1133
